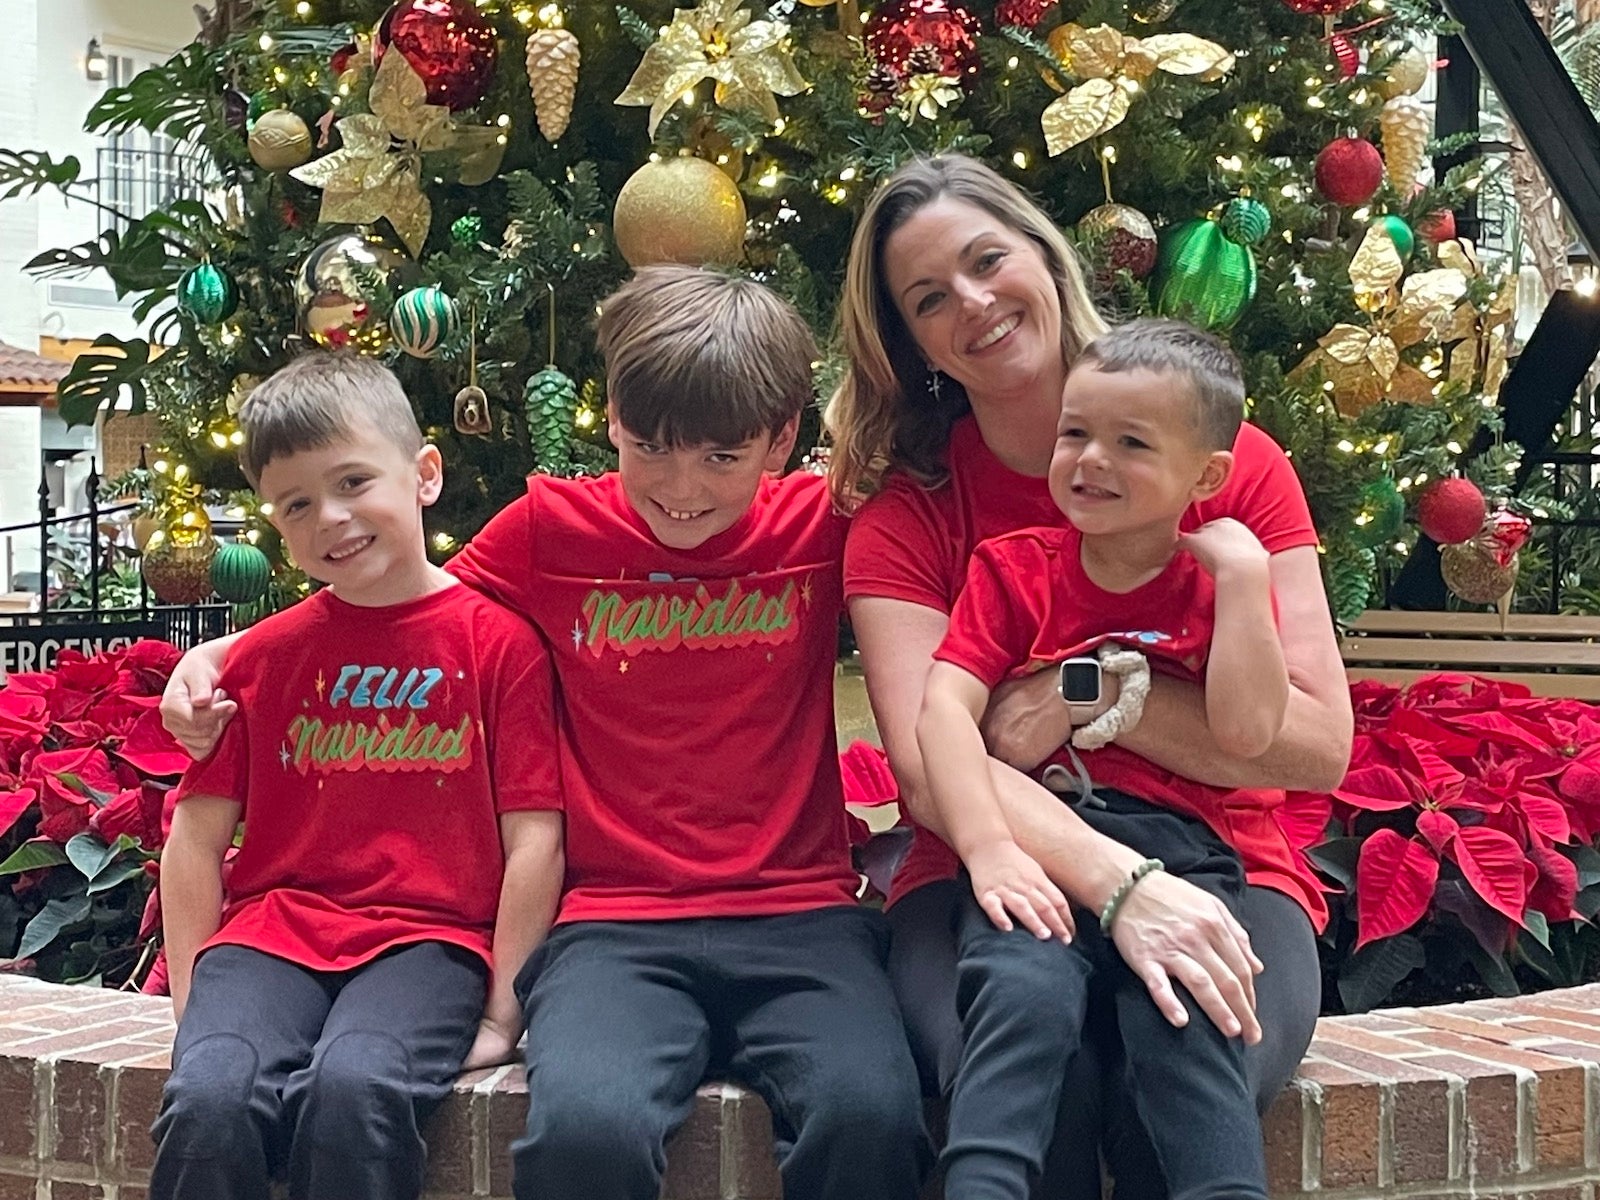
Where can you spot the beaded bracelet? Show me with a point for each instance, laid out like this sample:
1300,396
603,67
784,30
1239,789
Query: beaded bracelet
1113,905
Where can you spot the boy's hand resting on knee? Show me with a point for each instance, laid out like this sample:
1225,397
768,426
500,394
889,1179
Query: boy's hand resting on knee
193,708
494,1046
1007,883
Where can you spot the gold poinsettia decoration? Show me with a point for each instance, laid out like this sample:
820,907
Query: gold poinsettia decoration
378,171
1363,363
925,96
718,40
1112,66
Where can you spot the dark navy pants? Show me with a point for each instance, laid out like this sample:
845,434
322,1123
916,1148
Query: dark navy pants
325,1077
625,1018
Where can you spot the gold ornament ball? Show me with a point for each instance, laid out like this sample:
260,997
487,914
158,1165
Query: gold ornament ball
344,290
679,210
144,528
280,140
1472,573
179,574
1406,74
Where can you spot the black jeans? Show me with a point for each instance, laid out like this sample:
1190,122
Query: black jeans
1023,1004
325,1075
625,1018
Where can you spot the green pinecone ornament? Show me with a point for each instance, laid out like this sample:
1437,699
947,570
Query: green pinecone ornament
551,403
1350,584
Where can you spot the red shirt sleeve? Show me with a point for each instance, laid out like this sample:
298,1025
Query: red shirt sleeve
896,549
225,773
1264,494
991,632
520,725
498,562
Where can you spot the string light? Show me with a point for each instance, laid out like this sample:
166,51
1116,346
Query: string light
1021,159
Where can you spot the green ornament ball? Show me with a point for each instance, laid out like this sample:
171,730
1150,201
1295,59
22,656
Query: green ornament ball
1382,513
240,572
1246,221
208,294
261,102
422,319
1202,276
1405,241
467,231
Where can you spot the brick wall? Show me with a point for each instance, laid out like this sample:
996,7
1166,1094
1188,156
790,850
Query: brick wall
1496,1100
121,438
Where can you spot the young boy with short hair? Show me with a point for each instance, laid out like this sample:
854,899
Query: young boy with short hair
394,744
1148,415
691,601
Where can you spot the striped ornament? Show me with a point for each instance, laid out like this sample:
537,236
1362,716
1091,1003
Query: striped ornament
422,319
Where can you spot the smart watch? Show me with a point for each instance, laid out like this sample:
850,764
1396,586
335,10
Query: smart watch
1080,688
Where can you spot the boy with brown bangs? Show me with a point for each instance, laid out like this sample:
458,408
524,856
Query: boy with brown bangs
691,601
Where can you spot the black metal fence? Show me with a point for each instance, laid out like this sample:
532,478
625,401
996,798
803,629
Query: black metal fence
136,181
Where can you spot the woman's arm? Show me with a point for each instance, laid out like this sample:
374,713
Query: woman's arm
1169,931
1027,722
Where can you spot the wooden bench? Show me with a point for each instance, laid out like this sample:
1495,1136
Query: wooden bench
1552,655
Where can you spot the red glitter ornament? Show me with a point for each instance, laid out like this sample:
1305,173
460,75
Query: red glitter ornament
1345,55
1348,170
1320,8
1438,226
1451,510
447,42
342,58
1023,14
897,27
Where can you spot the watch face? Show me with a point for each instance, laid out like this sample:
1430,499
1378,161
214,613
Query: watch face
1080,681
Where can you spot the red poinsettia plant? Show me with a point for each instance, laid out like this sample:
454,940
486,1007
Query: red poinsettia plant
1461,843
85,767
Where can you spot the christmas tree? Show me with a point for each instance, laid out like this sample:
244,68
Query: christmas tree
454,184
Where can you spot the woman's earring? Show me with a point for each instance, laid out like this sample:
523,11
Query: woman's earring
934,378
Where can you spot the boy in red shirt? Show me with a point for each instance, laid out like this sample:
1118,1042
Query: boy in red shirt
691,602
1149,414
395,745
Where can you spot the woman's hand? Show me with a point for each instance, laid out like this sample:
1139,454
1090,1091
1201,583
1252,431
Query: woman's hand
1168,930
1009,884
193,708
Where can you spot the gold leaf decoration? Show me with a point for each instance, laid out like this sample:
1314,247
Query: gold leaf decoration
1377,266
749,60
1088,110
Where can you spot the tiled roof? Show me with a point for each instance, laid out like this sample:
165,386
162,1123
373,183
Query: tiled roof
21,368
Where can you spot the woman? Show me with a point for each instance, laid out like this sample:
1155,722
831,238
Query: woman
963,308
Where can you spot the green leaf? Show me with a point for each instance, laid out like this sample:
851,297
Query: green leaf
98,379
51,921
24,172
31,856
1336,858
1537,926
115,877
171,98
1587,905
92,856
1540,957
1369,975
1587,858
1493,970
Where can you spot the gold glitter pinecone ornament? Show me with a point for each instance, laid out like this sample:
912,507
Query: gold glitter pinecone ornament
553,56
1404,122
1472,572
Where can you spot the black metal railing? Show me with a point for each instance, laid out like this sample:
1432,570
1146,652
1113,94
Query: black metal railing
135,182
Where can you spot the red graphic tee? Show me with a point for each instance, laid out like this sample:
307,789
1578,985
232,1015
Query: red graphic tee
373,752
911,543
700,763
1028,604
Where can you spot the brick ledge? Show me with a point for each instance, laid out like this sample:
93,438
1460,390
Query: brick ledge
1496,1100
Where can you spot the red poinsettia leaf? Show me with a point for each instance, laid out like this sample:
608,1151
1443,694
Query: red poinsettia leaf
1556,888
1546,814
150,920
13,805
1493,863
1377,789
868,781
1304,817
1497,727
156,983
1415,726
152,750
1395,877
1473,793
1419,760
1438,827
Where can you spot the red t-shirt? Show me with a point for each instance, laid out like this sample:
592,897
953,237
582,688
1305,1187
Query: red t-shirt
1029,603
911,543
700,763
373,752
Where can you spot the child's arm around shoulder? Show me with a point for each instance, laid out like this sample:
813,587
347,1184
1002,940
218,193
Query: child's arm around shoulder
1247,680
191,884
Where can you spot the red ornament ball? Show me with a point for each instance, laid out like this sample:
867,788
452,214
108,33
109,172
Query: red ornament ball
1349,170
1438,227
1451,510
1345,55
897,27
1320,8
342,58
447,42
1023,14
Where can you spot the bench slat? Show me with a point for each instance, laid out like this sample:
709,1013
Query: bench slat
1462,652
1517,625
1579,687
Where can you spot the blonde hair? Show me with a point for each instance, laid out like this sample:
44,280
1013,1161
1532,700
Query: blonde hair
696,356
882,415
316,400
